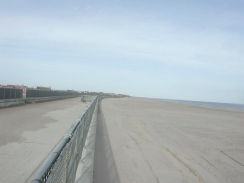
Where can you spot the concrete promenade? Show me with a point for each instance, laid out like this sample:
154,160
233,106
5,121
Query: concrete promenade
138,141
29,133
143,140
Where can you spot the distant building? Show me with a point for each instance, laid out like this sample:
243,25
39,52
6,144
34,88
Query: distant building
73,91
16,86
44,88
32,88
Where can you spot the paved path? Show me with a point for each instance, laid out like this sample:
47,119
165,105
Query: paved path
29,133
142,140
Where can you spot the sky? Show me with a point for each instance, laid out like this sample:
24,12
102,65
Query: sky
187,50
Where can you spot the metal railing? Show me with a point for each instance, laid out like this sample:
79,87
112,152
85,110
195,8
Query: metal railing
62,165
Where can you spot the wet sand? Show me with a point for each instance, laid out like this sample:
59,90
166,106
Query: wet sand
144,140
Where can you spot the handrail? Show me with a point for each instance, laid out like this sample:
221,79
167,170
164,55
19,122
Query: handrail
48,167
62,164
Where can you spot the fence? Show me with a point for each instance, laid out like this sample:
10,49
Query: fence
62,165
14,93
10,93
43,93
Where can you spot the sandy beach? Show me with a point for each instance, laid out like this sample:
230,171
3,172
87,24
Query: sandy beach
144,140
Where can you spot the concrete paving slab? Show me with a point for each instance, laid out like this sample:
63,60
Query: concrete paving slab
29,134
155,141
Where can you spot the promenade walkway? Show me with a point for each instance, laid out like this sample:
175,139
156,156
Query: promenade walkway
29,133
138,141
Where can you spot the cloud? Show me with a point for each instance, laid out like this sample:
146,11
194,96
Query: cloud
153,41
142,47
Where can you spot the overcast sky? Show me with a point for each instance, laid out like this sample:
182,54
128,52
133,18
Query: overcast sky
190,50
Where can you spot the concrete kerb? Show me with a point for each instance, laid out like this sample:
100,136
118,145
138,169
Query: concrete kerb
84,173
13,102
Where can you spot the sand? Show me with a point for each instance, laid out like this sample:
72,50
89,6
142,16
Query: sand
144,140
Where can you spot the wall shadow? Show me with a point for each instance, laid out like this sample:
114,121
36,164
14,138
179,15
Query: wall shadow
105,170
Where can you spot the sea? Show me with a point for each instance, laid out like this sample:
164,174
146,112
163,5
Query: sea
209,104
